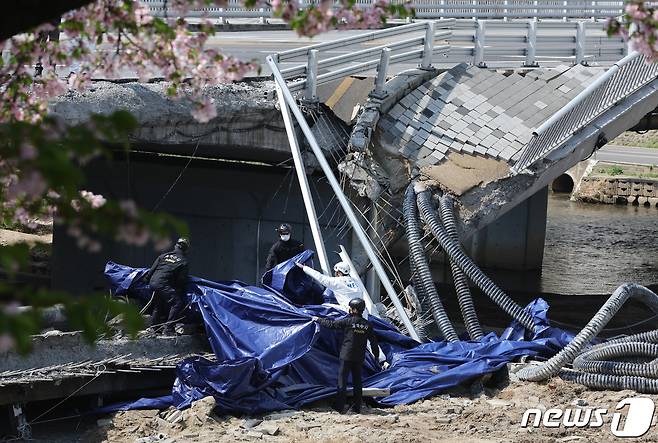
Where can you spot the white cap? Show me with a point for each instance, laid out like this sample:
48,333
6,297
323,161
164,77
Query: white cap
342,267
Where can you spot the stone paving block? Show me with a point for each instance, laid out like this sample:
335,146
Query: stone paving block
452,119
564,89
443,148
401,127
456,146
415,124
479,149
459,126
405,120
507,154
447,140
489,141
469,149
467,132
410,131
427,126
484,119
465,118
420,138
474,127
443,125
437,157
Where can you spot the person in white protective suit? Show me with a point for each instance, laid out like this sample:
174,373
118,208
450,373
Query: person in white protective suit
343,286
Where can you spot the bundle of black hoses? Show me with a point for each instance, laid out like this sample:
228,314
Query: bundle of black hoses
594,366
420,269
456,254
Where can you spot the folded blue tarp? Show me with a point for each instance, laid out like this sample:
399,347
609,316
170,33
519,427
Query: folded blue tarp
271,356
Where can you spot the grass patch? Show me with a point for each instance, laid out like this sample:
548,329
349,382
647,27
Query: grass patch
615,170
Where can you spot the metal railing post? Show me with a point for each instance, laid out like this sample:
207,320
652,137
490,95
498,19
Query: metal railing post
505,12
474,2
311,75
593,18
564,19
442,10
428,46
261,19
580,42
478,50
382,70
303,183
344,203
531,48
221,20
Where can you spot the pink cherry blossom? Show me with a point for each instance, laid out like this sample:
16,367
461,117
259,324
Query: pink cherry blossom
95,200
7,342
205,111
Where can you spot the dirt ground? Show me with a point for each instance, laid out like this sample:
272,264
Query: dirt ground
485,417
648,139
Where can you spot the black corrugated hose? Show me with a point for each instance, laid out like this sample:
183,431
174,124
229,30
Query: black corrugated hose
426,289
464,297
454,250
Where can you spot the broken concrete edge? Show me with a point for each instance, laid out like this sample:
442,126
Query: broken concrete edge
484,204
56,348
151,105
395,89
366,174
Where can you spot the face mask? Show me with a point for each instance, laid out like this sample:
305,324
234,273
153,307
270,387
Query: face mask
285,237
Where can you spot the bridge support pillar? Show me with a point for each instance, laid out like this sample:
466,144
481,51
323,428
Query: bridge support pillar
516,240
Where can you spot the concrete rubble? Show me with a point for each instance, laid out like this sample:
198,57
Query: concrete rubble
488,415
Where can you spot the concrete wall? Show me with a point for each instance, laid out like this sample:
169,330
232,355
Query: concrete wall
231,210
516,240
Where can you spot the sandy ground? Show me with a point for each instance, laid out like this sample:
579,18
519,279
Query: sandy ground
491,416
8,237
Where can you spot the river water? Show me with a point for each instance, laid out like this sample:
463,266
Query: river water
592,249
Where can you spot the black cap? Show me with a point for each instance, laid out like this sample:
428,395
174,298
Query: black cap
358,304
284,228
183,244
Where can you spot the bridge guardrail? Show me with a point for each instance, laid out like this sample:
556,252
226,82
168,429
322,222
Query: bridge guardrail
532,43
427,9
620,81
421,48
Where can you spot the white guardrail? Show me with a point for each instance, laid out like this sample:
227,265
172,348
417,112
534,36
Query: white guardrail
506,9
421,48
624,78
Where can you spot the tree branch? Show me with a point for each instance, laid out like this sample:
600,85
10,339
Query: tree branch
22,15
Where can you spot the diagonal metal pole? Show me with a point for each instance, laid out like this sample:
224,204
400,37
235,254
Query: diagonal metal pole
303,182
345,204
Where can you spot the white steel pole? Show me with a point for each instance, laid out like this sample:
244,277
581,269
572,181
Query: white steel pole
303,183
345,204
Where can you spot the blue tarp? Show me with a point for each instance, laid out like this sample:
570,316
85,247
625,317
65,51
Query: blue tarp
271,356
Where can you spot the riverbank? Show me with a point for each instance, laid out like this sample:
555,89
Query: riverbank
619,183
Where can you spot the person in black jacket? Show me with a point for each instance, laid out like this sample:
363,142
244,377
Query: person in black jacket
358,332
167,277
284,249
